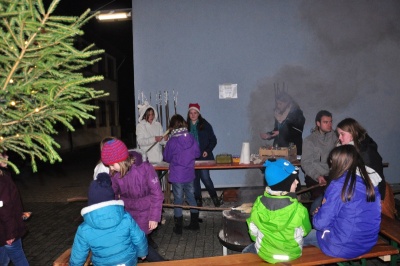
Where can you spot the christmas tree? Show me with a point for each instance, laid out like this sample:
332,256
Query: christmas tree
41,80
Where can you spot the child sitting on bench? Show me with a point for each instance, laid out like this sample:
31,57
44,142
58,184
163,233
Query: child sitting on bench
348,221
108,230
278,221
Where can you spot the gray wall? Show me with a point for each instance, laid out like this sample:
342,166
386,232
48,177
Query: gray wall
343,56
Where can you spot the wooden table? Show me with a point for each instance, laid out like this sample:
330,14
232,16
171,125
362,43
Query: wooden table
202,165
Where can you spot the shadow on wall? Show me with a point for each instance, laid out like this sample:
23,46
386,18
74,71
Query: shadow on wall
351,69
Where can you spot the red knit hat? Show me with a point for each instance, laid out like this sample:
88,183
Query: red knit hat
114,151
194,106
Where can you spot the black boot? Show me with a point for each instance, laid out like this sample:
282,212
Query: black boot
216,201
194,222
151,242
153,255
199,202
178,225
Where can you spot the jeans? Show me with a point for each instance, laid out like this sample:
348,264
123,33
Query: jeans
13,252
311,239
250,248
179,190
204,176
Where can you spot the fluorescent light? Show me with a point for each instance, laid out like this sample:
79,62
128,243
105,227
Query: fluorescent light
114,15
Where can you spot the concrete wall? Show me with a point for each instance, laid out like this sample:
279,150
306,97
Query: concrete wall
342,56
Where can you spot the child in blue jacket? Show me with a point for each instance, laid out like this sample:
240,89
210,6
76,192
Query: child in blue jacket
108,230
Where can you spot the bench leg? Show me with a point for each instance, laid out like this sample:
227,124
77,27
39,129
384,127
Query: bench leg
363,262
394,258
345,263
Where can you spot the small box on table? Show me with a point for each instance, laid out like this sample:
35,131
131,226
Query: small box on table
223,158
289,153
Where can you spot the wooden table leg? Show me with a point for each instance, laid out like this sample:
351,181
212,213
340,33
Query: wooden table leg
167,191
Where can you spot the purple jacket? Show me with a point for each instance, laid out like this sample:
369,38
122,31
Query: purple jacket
181,152
141,192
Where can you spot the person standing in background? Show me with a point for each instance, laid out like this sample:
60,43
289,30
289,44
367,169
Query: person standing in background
289,122
205,137
150,131
351,132
12,227
316,149
181,152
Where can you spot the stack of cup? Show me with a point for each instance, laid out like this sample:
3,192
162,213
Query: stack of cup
245,153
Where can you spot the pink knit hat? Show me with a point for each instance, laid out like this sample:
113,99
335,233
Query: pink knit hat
114,151
194,106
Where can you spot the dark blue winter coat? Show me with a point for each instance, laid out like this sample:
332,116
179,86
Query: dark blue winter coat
207,139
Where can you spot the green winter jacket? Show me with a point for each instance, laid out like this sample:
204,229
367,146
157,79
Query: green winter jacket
278,224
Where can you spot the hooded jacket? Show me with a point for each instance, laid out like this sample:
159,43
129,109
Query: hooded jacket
146,132
347,229
141,192
291,129
181,152
278,224
111,234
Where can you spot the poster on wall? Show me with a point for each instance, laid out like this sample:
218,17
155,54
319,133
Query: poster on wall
228,91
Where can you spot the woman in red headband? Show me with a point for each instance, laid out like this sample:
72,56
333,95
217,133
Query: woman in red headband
204,134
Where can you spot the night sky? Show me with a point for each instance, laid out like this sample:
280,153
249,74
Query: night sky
116,39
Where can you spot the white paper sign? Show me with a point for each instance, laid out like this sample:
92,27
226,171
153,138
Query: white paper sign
228,91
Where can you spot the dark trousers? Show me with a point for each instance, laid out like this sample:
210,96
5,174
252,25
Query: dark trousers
204,176
315,192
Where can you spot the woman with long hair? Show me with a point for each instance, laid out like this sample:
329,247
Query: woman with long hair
351,132
348,221
205,137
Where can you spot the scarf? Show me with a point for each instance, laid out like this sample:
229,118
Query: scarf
282,117
178,131
194,131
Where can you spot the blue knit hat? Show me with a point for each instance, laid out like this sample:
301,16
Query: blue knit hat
277,171
100,190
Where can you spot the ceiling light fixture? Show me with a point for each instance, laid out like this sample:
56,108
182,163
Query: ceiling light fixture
114,15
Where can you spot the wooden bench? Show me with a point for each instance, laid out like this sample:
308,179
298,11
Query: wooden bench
311,256
63,259
390,229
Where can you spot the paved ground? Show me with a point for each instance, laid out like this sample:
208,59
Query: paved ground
54,221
